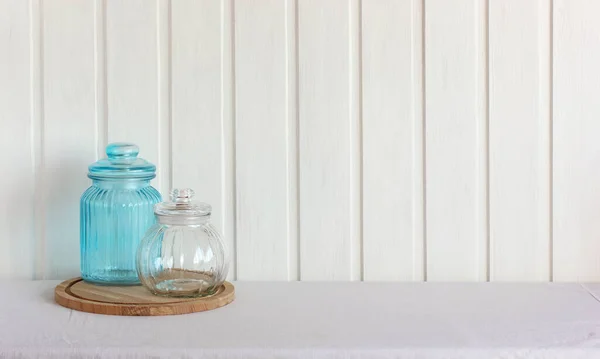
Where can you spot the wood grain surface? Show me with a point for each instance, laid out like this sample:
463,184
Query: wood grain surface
134,300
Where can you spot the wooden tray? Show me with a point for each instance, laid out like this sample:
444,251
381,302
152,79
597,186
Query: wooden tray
134,300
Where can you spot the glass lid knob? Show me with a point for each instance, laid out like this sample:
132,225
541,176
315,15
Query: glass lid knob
122,150
182,196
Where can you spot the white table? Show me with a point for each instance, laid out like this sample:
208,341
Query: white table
320,320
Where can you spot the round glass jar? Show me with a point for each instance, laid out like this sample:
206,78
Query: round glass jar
114,214
182,255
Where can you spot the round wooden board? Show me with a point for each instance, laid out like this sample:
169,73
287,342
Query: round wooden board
134,300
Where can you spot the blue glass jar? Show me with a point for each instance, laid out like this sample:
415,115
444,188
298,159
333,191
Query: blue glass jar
115,213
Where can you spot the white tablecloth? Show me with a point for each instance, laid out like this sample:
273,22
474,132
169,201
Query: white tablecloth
320,320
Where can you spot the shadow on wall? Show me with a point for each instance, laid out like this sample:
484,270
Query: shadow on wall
18,212
64,181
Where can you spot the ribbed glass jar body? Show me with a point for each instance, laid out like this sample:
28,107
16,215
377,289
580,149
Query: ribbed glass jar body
115,214
182,260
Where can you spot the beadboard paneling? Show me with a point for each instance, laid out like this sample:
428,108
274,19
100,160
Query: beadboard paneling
575,135
68,100
392,123
132,75
402,140
456,143
326,119
200,126
18,117
519,99
164,176
265,138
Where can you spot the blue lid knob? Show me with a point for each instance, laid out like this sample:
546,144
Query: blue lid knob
120,150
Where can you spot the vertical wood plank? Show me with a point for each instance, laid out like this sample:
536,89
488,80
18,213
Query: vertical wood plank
37,130
392,139
355,154
455,140
164,95
16,133
263,133
228,131
69,126
100,77
520,140
291,30
198,102
325,130
132,80
576,147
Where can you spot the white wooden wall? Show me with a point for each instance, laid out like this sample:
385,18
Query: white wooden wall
403,140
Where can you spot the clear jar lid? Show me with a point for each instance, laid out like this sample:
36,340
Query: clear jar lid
182,208
122,162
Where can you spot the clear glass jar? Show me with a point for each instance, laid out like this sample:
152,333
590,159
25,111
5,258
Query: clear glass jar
114,214
182,255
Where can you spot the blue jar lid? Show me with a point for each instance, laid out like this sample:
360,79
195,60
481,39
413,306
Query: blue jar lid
122,162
